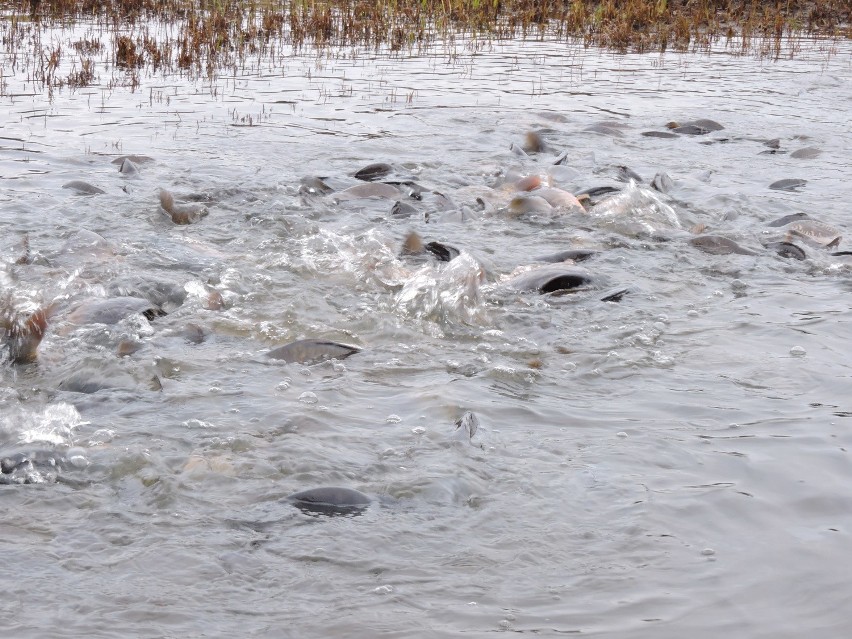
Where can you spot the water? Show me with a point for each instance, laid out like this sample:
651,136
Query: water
675,464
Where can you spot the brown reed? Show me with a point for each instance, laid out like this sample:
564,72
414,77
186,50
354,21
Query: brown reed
202,37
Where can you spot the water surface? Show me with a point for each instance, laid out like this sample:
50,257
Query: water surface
674,464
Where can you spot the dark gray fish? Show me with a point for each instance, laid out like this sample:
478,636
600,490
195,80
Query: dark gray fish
710,125
368,190
443,252
409,188
136,159
83,188
403,209
658,134
575,255
615,296
787,250
625,174
597,191
790,184
330,500
312,351
718,245
550,279
162,293
413,245
193,333
793,217
604,129
662,183
564,158
314,186
807,153
128,169
30,467
519,151
112,311
696,127
468,424
373,172
691,129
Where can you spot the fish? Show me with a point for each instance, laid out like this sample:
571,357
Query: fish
312,351
535,143
83,188
807,153
330,500
787,250
128,168
815,232
789,184
370,189
23,337
550,279
575,255
112,310
526,204
373,172
718,245
181,213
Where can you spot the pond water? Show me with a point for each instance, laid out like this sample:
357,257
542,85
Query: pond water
672,464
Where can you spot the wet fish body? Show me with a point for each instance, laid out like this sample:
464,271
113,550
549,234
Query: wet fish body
373,172
369,190
312,351
718,245
111,311
82,188
22,338
550,279
807,153
815,232
181,214
658,134
789,184
787,219
787,250
575,255
330,500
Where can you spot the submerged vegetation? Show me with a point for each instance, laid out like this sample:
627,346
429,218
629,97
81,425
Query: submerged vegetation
66,42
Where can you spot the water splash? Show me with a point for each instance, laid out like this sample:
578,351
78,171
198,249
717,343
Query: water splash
448,293
54,424
634,212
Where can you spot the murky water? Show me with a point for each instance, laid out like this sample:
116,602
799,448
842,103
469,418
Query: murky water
673,464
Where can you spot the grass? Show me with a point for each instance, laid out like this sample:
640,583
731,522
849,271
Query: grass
204,37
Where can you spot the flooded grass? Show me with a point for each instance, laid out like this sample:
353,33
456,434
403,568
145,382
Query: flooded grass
129,38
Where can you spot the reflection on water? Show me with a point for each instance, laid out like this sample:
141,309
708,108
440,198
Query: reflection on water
673,463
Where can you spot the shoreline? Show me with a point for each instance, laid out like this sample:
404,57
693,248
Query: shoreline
201,39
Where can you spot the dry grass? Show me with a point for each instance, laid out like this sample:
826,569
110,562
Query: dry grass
202,37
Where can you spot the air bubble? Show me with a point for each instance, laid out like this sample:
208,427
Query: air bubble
798,351
383,590
393,419
308,398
